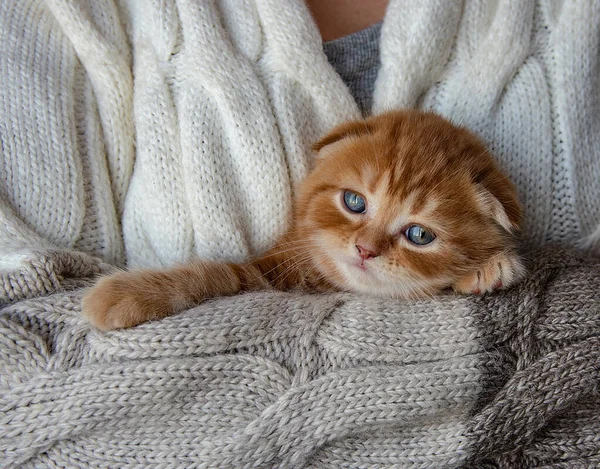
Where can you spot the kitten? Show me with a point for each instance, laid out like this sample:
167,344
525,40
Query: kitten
403,204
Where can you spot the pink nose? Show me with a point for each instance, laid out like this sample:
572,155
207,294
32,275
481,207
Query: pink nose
365,253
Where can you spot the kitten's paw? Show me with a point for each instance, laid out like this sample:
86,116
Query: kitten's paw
502,271
118,302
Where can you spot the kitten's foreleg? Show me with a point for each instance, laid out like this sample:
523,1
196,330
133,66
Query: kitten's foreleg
126,299
501,271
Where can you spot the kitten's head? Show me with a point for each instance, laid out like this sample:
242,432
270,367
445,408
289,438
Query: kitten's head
404,204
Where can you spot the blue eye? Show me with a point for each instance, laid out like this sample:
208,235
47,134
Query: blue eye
354,202
418,235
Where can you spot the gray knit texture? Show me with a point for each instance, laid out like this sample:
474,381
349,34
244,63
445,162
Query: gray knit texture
294,380
356,59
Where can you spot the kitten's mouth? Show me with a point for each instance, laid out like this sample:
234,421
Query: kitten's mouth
359,265
356,269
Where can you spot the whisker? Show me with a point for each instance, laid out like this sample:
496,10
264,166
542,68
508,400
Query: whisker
290,269
310,257
287,259
295,246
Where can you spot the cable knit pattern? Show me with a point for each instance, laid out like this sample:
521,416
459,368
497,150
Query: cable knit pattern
227,96
144,132
294,380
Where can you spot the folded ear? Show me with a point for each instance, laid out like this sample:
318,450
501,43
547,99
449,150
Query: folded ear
338,136
498,197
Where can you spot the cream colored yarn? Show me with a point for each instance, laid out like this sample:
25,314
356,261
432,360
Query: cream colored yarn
189,122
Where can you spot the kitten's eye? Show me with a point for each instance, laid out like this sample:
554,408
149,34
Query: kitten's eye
354,202
418,235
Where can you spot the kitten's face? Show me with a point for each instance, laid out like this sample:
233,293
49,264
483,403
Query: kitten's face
405,204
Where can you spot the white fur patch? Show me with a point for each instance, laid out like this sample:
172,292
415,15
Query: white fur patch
491,204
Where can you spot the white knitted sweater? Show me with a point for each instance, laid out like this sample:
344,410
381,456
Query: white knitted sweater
145,132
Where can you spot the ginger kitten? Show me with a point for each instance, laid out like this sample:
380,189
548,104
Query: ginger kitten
403,204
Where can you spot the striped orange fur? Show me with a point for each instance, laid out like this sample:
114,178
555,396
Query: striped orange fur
410,168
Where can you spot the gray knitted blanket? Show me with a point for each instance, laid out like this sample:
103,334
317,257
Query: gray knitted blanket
282,380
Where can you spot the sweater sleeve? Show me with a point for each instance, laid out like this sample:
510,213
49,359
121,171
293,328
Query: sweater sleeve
66,129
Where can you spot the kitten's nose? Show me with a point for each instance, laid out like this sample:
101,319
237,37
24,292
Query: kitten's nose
365,253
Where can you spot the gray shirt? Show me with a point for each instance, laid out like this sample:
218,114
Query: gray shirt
356,59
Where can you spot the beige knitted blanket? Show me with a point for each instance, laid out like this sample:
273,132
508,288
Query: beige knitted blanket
297,380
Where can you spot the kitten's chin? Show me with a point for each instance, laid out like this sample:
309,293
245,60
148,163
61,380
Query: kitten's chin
366,278
350,274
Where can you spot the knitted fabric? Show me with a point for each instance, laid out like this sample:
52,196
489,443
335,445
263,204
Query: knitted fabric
45,272
146,132
356,60
190,122
271,379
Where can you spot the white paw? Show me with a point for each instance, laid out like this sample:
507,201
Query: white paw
501,271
